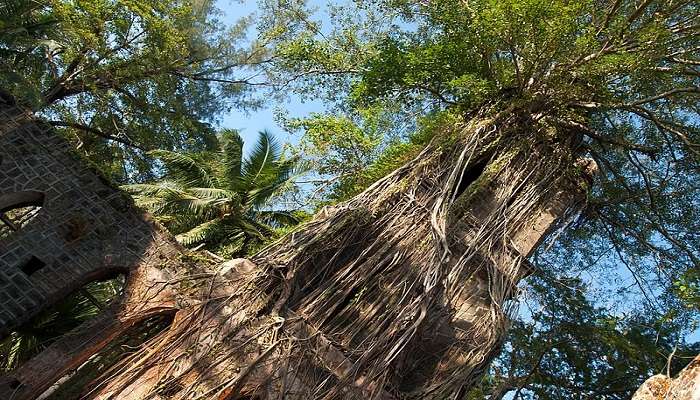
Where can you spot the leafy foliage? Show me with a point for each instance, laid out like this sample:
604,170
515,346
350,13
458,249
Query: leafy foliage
122,77
569,348
620,75
219,198
48,326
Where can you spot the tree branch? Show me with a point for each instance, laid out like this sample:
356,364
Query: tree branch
97,132
664,125
690,89
651,151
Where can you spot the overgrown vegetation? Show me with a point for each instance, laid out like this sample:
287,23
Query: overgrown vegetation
137,88
123,77
42,330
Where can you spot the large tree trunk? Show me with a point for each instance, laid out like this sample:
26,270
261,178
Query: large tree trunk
404,291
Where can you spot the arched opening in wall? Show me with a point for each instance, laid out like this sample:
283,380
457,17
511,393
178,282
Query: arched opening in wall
18,209
79,383
38,333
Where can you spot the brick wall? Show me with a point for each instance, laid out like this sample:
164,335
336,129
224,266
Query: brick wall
84,229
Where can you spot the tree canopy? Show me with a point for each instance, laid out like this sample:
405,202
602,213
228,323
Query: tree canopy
123,77
622,75
138,85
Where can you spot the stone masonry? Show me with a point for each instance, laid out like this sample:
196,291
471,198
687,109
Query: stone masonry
82,229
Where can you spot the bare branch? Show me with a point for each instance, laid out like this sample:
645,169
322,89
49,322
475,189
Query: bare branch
97,132
666,126
651,151
638,11
691,89
608,16
684,61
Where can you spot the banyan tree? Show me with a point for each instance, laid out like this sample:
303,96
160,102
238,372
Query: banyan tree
405,290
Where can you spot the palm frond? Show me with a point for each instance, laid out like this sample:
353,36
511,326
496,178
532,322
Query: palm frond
232,159
155,197
210,231
181,223
214,193
187,204
255,229
184,169
261,165
276,218
227,210
157,189
283,181
167,198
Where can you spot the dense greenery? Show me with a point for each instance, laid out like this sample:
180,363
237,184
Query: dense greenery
570,348
623,76
219,198
122,77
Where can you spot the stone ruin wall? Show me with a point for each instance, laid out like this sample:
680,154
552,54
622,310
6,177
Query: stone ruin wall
84,230
62,226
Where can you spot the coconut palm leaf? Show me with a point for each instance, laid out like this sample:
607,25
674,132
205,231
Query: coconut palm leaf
255,230
282,181
277,218
184,169
193,206
161,188
210,231
261,165
157,198
168,199
214,193
200,233
226,212
232,159
181,223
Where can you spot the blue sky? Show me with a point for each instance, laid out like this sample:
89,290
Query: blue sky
249,123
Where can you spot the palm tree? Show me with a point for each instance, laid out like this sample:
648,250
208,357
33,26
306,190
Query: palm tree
219,199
